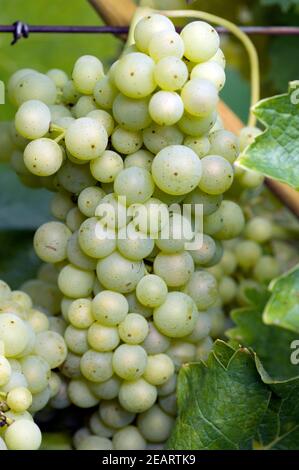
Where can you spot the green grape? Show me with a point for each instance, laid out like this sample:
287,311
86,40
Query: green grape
17,379
259,230
5,370
166,43
135,184
203,255
105,92
76,340
159,369
95,443
76,255
96,366
177,316
107,390
177,170
128,438
18,165
22,299
134,75
149,27
89,199
40,400
50,346
133,329
13,80
209,202
86,139
227,289
84,106
38,321
137,396
103,118
197,126
118,273
169,404
44,295
203,349
156,138
131,114
106,168
80,313
155,425
74,219
217,175
71,366
151,291
201,41
23,435
250,179
175,268
61,204
97,426
248,136
5,291
219,58
54,384
233,220
86,72
228,262
59,111
202,288
34,86
225,144
58,325
95,240
170,73
16,138
109,308
175,235
247,254
58,76
141,158
218,322
137,307
266,269
166,108
200,97
168,387
114,415
74,282
48,273
33,119
133,244
102,338
36,371
80,394
126,142
70,94
61,399
199,145
43,157
112,213
210,71
79,436
202,328
129,361
50,242
13,334
181,353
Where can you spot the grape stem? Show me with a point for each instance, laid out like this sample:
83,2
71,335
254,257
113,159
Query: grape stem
246,41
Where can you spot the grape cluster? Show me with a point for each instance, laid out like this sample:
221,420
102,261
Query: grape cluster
29,351
116,148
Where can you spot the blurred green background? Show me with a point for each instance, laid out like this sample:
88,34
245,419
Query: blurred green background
22,209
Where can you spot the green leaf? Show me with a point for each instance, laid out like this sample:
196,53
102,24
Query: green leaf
275,153
18,262
285,5
282,308
271,343
21,208
221,403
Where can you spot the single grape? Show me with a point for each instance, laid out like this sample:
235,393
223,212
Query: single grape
155,425
86,139
148,27
210,71
23,435
200,97
43,157
175,268
201,41
86,72
128,438
50,242
131,114
80,394
96,366
134,75
170,73
133,329
137,396
33,119
129,361
74,282
202,288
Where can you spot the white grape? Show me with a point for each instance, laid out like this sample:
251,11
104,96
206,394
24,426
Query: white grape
148,27
217,175
131,114
151,290
174,268
86,139
23,435
33,119
96,366
159,369
89,199
43,157
34,86
50,241
133,329
200,97
134,75
86,72
95,240
129,361
110,308
50,346
166,43
155,425
74,282
80,394
142,158
128,438
102,338
166,108
105,92
137,396
125,141
197,126
155,342
80,313
201,41
135,183
202,288
224,143
210,71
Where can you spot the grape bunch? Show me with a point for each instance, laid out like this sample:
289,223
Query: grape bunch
124,153
29,351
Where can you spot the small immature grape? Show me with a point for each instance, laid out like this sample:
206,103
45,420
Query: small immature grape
43,157
86,72
33,119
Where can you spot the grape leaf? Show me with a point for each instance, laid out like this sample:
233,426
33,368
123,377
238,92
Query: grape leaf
275,153
220,403
285,5
283,306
